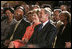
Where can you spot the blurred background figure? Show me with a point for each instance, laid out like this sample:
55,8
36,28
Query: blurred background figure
2,14
35,6
63,7
64,34
56,18
46,5
6,24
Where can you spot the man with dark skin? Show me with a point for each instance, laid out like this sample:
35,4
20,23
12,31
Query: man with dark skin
18,29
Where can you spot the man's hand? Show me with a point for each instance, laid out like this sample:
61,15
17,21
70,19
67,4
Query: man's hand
6,43
11,45
67,44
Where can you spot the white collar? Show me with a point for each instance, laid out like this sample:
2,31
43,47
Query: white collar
45,23
18,21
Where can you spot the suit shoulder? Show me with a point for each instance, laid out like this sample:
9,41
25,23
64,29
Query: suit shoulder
24,22
52,26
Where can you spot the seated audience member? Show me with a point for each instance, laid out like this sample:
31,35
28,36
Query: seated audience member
44,33
46,5
56,21
33,18
63,7
64,34
27,8
21,23
6,24
50,17
18,29
35,6
2,14
56,18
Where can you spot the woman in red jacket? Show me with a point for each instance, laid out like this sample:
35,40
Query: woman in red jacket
33,18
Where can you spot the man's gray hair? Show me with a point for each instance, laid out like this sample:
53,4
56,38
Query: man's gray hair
48,11
57,10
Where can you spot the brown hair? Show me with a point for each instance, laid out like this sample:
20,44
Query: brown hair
29,15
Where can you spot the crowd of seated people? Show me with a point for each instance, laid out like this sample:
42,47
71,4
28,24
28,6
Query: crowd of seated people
33,26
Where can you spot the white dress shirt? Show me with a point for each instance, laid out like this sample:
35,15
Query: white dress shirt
45,23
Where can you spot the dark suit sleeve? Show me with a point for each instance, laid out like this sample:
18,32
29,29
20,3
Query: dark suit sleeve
50,38
68,34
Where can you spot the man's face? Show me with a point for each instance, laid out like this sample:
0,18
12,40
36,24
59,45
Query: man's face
56,15
26,8
63,8
9,15
1,12
8,12
62,17
29,17
18,14
42,15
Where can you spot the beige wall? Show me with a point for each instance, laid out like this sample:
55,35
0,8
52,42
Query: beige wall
2,2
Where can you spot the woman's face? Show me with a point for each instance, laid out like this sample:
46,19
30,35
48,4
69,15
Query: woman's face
33,17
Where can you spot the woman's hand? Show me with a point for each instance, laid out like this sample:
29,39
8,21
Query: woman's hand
25,40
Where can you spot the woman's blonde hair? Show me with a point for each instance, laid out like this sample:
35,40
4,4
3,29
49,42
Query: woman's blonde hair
31,13
67,14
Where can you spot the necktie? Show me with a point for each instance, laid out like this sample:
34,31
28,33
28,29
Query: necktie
14,30
40,27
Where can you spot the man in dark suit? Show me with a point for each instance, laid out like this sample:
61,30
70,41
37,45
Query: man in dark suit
44,34
19,28
22,24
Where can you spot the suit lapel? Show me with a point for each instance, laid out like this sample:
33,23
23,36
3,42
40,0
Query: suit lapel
19,26
43,32
45,27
